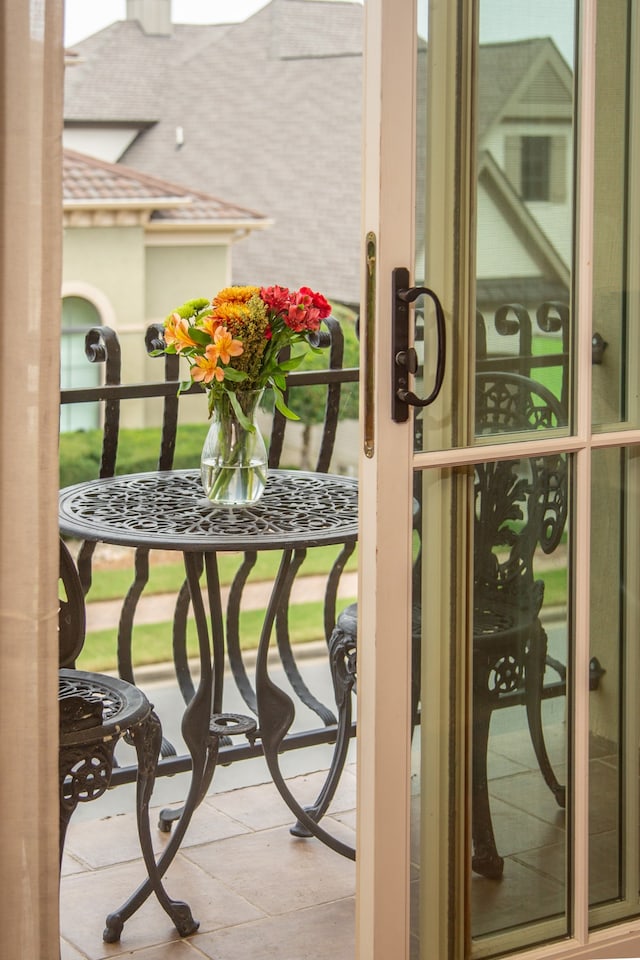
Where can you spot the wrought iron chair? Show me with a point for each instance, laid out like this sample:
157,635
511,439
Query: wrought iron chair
95,712
518,506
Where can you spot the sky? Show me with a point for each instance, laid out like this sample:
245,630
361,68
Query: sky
84,17
499,19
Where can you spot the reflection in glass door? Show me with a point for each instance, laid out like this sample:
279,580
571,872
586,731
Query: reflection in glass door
525,811
520,653
508,542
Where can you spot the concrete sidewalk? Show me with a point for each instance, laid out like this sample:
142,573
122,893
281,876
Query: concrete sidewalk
159,608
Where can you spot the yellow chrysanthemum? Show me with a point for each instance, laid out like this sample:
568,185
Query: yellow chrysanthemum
235,295
231,312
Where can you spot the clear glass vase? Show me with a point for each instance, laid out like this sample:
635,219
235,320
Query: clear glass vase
233,465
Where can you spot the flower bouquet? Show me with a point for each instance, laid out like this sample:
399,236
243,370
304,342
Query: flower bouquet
233,345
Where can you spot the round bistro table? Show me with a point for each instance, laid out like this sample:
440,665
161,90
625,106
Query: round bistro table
168,510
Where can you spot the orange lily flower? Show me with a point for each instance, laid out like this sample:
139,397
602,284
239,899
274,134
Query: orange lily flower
210,324
177,333
206,368
225,345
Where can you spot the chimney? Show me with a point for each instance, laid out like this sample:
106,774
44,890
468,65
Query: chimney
154,16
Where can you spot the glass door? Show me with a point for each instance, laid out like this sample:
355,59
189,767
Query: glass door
498,717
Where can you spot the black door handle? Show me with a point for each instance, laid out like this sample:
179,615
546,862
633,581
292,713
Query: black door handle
404,360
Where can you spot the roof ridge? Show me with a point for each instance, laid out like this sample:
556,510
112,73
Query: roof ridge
514,43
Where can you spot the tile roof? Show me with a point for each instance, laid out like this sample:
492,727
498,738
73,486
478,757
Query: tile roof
87,180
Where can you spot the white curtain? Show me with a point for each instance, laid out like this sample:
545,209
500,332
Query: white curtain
31,55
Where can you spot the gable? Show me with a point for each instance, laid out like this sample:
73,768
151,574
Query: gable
547,87
510,243
526,80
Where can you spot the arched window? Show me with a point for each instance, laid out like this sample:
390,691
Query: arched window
78,316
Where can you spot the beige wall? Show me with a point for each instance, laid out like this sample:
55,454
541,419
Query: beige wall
134,282
174,274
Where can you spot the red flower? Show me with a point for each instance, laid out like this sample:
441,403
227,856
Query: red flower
318,302
276,298
302,314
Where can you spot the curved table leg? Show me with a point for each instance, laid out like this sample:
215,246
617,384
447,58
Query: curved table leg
285,650
276,714
127,615
234,603
201,743
343,660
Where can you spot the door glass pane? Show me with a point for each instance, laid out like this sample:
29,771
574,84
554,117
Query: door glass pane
616,261
525,190
519,651
613,715
505,526
524,212
491,549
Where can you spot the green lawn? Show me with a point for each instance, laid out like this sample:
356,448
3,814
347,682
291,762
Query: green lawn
111,584
550,377
555,588
152,643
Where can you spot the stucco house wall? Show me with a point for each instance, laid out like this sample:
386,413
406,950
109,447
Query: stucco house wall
132,285
135,248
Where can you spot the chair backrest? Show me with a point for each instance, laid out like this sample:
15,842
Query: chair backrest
519,504
72,614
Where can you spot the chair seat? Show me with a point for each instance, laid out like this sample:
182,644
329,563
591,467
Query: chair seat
120,706
348,620
501,621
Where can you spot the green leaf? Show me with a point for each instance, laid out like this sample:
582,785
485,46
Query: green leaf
281,405
291,364
200,336
236,376
239,412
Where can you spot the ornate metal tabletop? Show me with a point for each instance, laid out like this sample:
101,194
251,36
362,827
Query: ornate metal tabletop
168,510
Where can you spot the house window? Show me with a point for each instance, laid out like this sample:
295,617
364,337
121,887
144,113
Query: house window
78,316
535,168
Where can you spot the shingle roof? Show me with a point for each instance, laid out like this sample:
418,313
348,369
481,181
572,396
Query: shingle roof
87,180
277,129
252,101
270,110
120,72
